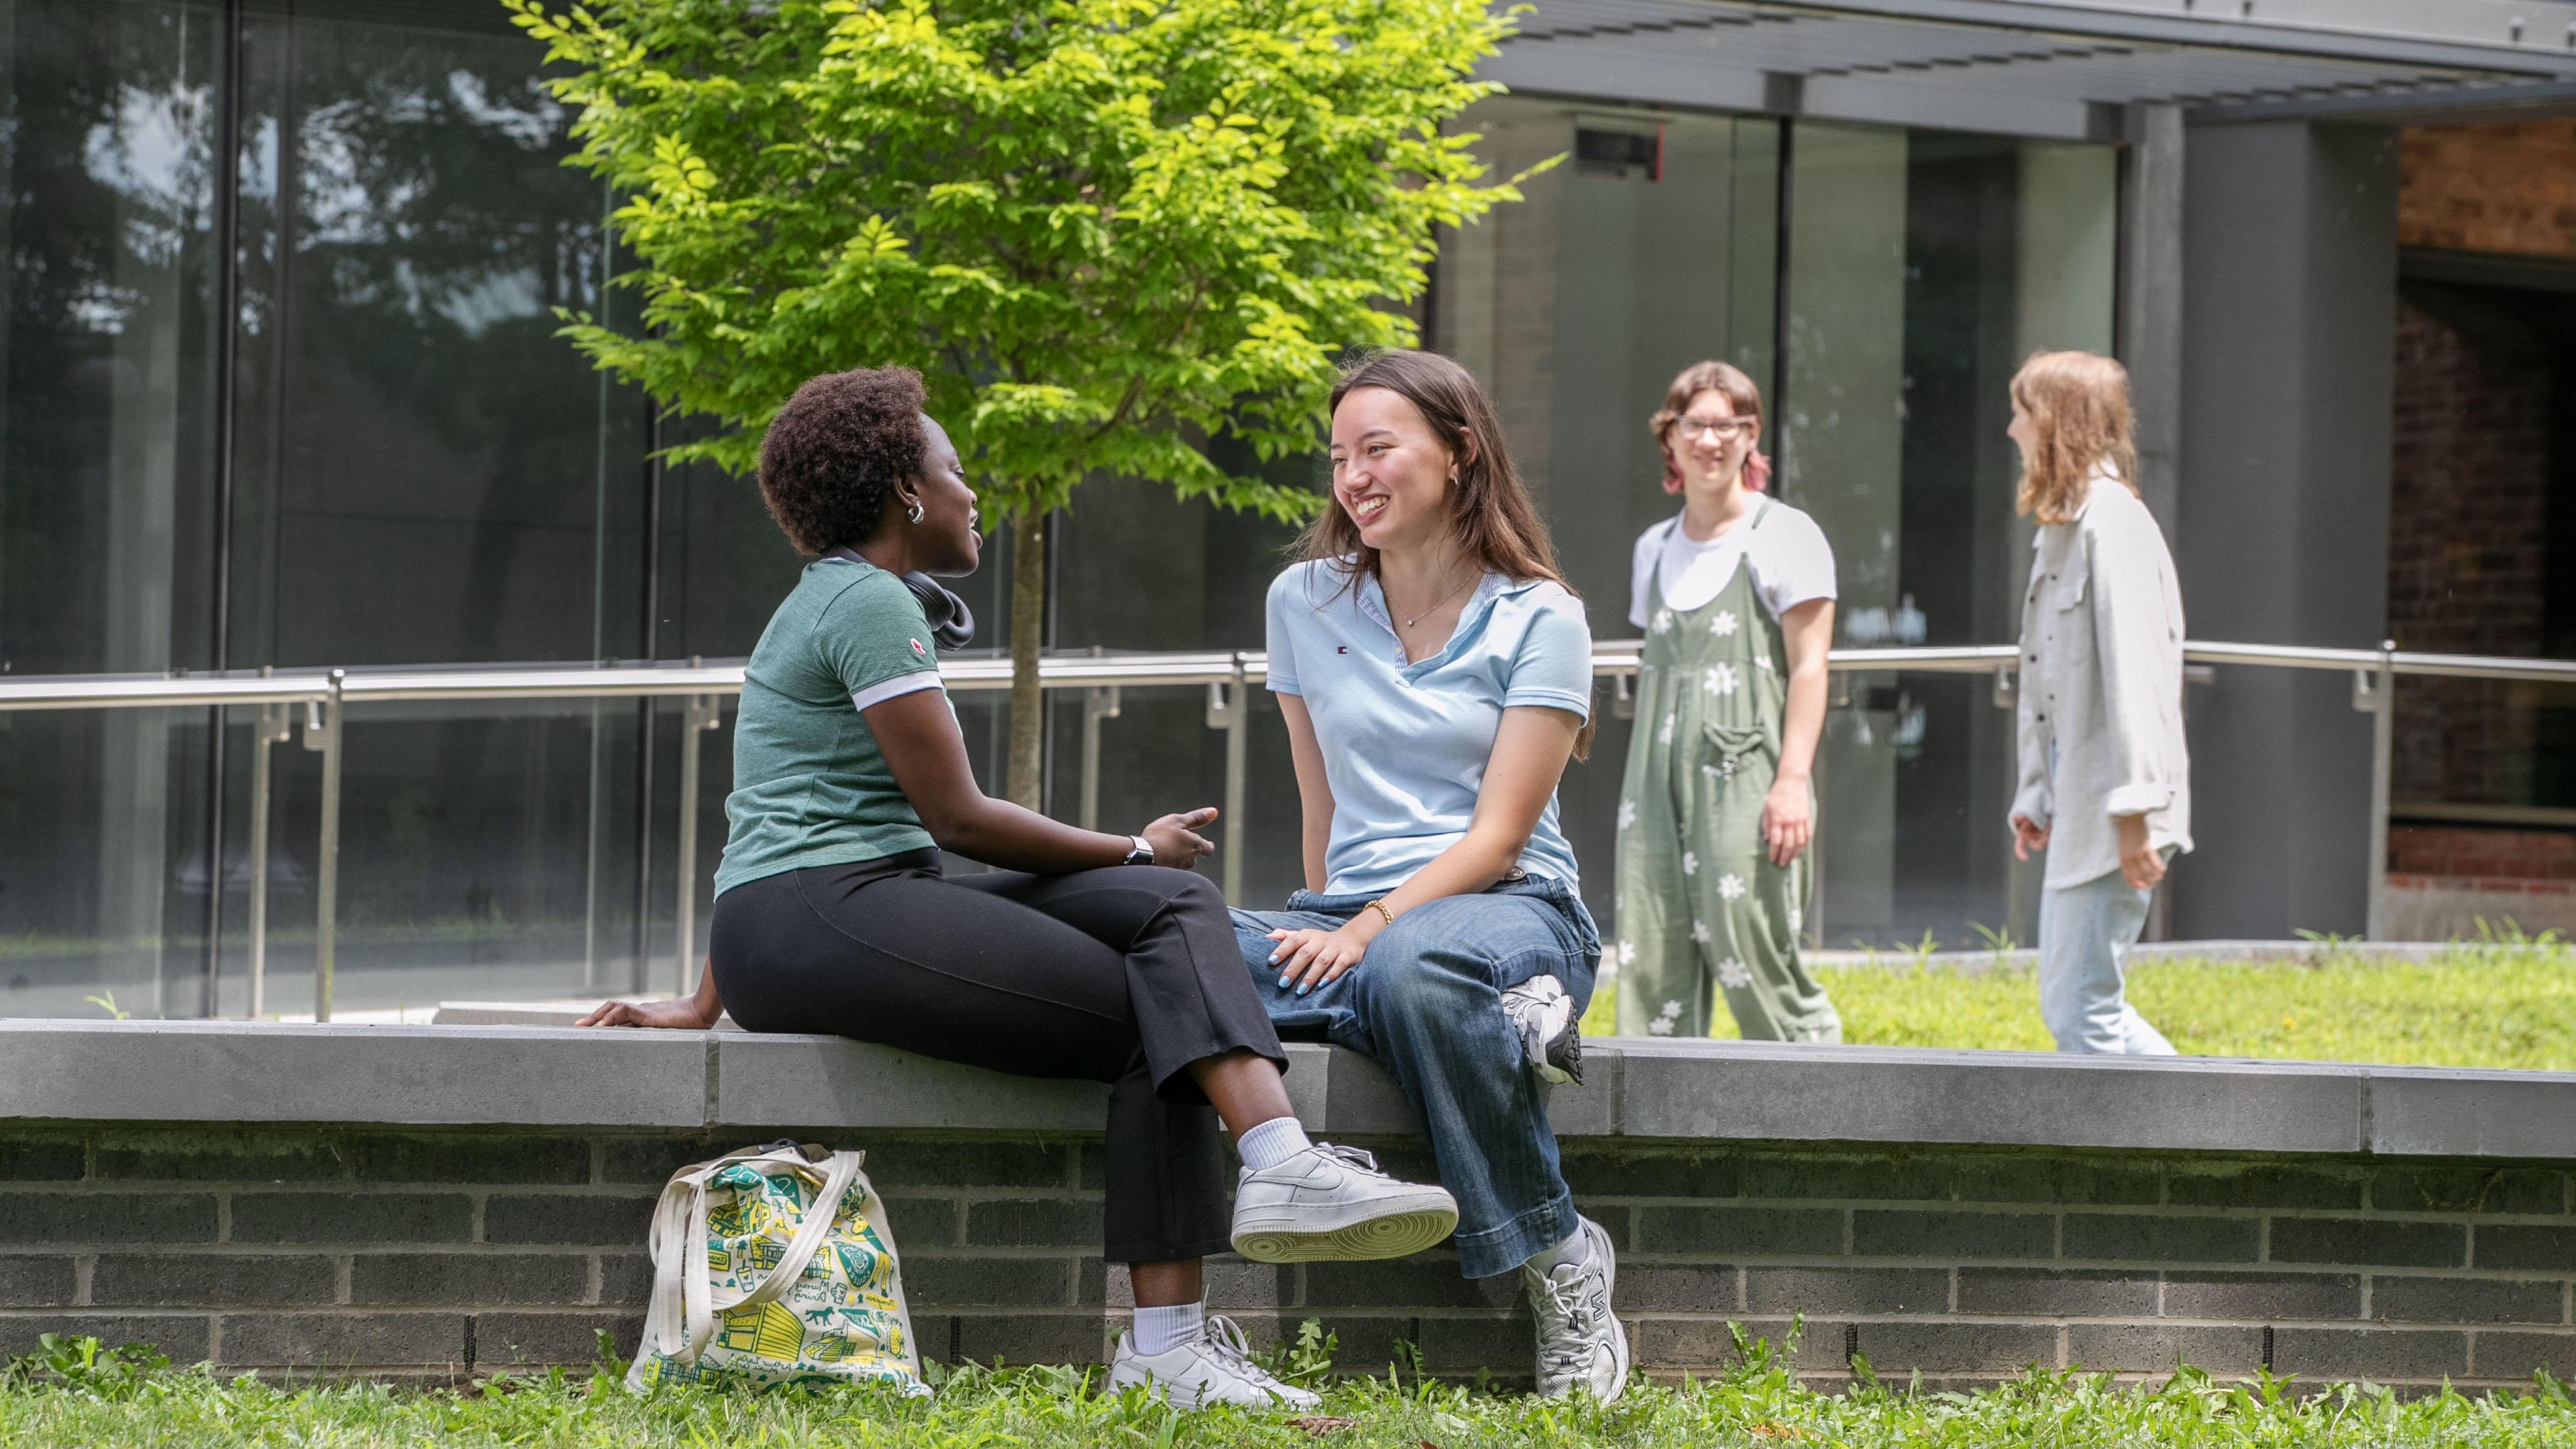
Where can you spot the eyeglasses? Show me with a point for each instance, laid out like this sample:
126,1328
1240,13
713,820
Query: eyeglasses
1689,428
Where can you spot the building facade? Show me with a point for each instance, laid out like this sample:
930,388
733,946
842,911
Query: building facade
283,391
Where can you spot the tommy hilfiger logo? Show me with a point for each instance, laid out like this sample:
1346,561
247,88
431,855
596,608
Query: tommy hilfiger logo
1341,649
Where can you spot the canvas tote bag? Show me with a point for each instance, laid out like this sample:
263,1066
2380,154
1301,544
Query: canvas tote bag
775,1265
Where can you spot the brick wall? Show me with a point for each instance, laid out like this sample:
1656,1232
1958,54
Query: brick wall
442,1253
2468,537
2509,188
2474,851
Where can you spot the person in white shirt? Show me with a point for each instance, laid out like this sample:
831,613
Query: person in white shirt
1736,597
2105,776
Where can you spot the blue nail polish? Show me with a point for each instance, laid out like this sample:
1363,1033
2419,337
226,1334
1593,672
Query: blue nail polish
1302,990
1283,983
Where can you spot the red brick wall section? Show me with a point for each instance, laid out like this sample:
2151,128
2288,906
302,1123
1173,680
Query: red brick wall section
2475,851
2489,188
2468,537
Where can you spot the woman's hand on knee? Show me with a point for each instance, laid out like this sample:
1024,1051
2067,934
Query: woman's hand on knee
1310,957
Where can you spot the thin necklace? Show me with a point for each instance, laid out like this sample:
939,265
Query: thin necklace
1445,598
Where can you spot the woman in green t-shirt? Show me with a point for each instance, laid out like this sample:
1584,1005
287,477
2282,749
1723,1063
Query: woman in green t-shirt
1082,955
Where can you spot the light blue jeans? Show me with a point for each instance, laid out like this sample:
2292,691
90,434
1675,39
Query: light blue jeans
2084,932
1426,1003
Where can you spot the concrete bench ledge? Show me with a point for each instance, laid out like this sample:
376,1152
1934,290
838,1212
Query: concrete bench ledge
553,1077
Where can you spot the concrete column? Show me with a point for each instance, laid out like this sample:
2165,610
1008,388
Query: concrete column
2289,257
2151,295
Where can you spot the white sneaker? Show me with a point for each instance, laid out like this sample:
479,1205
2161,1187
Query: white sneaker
1331,1202
1551,1029
1580,1344
1214,1368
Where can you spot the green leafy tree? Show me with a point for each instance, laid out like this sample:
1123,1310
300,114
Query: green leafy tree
1106,231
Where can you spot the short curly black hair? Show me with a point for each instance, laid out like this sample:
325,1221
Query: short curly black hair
832,456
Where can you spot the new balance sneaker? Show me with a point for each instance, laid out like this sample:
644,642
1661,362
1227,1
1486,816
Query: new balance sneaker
1331,1202
1214,1368
1551,1029
1580,1344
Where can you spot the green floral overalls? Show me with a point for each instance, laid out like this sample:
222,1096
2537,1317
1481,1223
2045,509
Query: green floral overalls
1699,898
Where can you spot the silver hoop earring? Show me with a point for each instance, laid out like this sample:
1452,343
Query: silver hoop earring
914,512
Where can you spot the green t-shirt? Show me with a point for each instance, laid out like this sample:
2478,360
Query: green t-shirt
810,785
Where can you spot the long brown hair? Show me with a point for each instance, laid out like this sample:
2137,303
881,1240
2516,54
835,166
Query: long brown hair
2079,409
1728,381
1490,512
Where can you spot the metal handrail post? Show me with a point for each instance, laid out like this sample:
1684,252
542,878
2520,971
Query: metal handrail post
703,714
323,718
1099,702
2383,753
1227,710
275,724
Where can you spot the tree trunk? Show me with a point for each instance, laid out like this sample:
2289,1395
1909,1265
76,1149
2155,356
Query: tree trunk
1028,631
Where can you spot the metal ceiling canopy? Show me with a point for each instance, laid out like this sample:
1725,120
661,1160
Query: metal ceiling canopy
2050,70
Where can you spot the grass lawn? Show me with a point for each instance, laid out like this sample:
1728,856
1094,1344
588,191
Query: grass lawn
2476,1006
1755,1405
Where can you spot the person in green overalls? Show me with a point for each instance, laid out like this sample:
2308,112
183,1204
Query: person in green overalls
1736,595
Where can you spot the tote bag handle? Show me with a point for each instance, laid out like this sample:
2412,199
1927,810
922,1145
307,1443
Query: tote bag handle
679,1243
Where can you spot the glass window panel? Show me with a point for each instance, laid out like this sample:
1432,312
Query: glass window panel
1650,247
429,475
1924,267
107,215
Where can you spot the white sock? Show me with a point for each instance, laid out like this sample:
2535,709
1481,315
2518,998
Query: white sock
1160,1330
1575,1249
1265,1145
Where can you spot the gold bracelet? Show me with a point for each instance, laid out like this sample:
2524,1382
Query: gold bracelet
1379,906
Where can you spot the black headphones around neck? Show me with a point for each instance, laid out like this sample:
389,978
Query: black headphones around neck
952,624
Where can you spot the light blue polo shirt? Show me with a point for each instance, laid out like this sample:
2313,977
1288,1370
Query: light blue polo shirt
1405,744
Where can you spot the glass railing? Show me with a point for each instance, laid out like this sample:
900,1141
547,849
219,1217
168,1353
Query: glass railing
525,831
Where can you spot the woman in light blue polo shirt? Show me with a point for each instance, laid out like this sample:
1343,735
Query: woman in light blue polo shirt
1436,676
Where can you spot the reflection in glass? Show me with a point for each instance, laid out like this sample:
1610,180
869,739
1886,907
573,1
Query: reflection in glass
428,475
1924,267
107,203
1651,247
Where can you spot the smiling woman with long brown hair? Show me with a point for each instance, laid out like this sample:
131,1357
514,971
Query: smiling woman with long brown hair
1435,674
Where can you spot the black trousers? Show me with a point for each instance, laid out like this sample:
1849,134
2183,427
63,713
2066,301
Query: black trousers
1124,975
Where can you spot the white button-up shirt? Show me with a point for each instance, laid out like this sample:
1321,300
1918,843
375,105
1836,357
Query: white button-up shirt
2101,685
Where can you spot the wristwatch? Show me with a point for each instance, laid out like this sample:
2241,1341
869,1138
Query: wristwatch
1143,854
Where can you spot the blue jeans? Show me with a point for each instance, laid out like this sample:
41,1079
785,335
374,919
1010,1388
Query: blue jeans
1426,1004
2084,931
